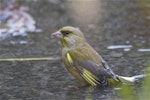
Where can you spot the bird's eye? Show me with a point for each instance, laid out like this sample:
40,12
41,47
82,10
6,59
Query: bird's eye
65,33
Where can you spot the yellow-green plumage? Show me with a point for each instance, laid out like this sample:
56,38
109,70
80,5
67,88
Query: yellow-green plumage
72,57
90,77
81,60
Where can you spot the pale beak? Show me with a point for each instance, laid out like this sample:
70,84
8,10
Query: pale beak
57,34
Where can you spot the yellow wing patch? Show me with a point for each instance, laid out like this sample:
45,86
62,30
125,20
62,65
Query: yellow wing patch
69,58
90,78
87,75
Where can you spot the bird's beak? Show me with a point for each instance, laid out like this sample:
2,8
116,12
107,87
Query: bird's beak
57,35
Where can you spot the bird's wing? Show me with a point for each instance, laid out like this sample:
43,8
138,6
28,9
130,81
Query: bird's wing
108,69
86,61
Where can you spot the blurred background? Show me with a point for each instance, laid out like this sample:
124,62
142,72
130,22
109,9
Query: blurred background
118,29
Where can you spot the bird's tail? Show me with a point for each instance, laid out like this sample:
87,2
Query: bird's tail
131,80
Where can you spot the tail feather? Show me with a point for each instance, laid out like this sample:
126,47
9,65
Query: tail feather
132,79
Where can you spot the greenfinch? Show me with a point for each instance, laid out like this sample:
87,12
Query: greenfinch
82,61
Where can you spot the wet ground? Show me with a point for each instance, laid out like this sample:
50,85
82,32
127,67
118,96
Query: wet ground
115,22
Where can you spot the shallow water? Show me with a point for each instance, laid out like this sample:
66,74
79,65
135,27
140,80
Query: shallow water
115,22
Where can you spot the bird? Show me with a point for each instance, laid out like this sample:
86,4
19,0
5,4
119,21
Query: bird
84,63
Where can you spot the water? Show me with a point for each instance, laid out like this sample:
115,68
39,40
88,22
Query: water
115,22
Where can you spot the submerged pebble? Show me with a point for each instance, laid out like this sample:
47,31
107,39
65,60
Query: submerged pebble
119,46
143,50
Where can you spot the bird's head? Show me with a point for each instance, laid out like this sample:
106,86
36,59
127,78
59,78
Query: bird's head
70,37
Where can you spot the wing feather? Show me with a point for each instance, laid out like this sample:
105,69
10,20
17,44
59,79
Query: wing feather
90,65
